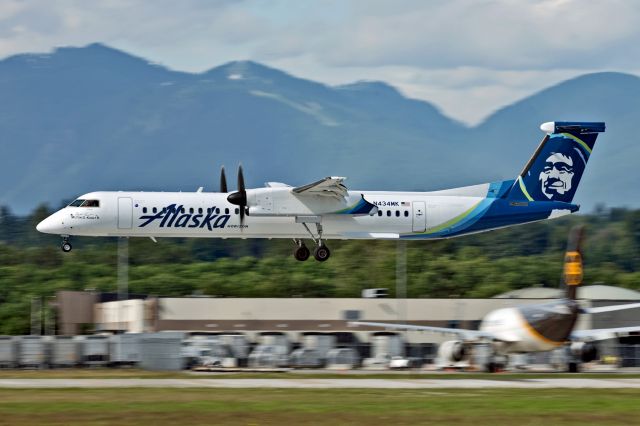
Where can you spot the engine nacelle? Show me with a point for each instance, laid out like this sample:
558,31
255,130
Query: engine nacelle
584,351
454,351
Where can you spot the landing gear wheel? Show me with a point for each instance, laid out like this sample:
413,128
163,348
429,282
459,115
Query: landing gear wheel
573,367
491,367
66,246
321,253
301,253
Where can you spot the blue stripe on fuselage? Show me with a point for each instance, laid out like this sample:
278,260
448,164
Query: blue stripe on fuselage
496,212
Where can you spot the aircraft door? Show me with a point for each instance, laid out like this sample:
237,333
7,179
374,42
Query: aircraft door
419,216
125,213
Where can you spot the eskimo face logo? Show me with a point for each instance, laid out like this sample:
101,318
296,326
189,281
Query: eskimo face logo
556,177
174,216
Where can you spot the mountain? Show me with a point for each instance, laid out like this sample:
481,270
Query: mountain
95,118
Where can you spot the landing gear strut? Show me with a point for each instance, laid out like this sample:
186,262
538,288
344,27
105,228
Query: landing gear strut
66,245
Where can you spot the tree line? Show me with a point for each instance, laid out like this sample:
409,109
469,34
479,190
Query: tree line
482,265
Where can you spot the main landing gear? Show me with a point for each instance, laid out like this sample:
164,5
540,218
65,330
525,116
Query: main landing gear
66,245
302,252
321,252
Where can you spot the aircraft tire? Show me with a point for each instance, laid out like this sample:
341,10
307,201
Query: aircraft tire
301,253
321,253
573,367
66,247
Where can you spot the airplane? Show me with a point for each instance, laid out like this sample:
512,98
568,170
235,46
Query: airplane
530,328
327,210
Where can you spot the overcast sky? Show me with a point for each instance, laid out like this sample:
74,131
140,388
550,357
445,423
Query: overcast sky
469,57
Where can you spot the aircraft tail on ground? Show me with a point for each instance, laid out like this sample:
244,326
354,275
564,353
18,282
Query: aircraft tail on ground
572,273
554,171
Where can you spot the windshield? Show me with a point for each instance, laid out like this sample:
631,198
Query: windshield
85,203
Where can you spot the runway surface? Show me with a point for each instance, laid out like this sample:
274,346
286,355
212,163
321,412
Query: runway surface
322,383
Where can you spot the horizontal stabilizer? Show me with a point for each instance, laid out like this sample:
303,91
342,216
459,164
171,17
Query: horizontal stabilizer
575,127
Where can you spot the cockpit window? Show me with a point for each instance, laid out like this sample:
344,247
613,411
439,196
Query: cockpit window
85,203
91,203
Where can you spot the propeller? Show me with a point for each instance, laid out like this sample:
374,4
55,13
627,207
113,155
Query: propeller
223,180
239,198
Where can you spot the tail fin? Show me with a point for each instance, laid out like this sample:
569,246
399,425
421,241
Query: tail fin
554,171
572,273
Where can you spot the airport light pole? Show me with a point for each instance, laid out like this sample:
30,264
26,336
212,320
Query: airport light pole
123,276
401,280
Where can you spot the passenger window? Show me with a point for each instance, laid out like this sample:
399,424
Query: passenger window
199,210
406,213
144,210
191,210
226,211
389,213
164,210
181,209
379,212
217,210
155,210
397,213
237,211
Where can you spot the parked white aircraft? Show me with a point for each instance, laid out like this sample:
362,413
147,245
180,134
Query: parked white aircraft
326,210
531,328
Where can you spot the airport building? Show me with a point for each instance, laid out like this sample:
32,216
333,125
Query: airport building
82,311
175,333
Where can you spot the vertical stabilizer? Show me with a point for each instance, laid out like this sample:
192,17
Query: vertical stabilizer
555,170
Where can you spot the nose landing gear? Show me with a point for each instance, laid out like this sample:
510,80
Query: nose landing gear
66,245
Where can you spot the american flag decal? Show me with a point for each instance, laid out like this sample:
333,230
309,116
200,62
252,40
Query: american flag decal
405,204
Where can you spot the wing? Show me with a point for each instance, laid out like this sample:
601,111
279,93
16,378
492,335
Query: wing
604,333
610,308
330,187
461,333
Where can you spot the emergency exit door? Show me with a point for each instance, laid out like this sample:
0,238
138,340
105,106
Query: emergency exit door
419,216
125,213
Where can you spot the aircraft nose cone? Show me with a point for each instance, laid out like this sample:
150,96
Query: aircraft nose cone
47,226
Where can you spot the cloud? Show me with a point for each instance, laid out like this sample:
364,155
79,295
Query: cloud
469,57
488,34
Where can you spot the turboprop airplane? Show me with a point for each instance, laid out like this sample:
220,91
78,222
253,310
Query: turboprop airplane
326,209
531,328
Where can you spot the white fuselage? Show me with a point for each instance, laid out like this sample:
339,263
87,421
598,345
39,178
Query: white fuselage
210,215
